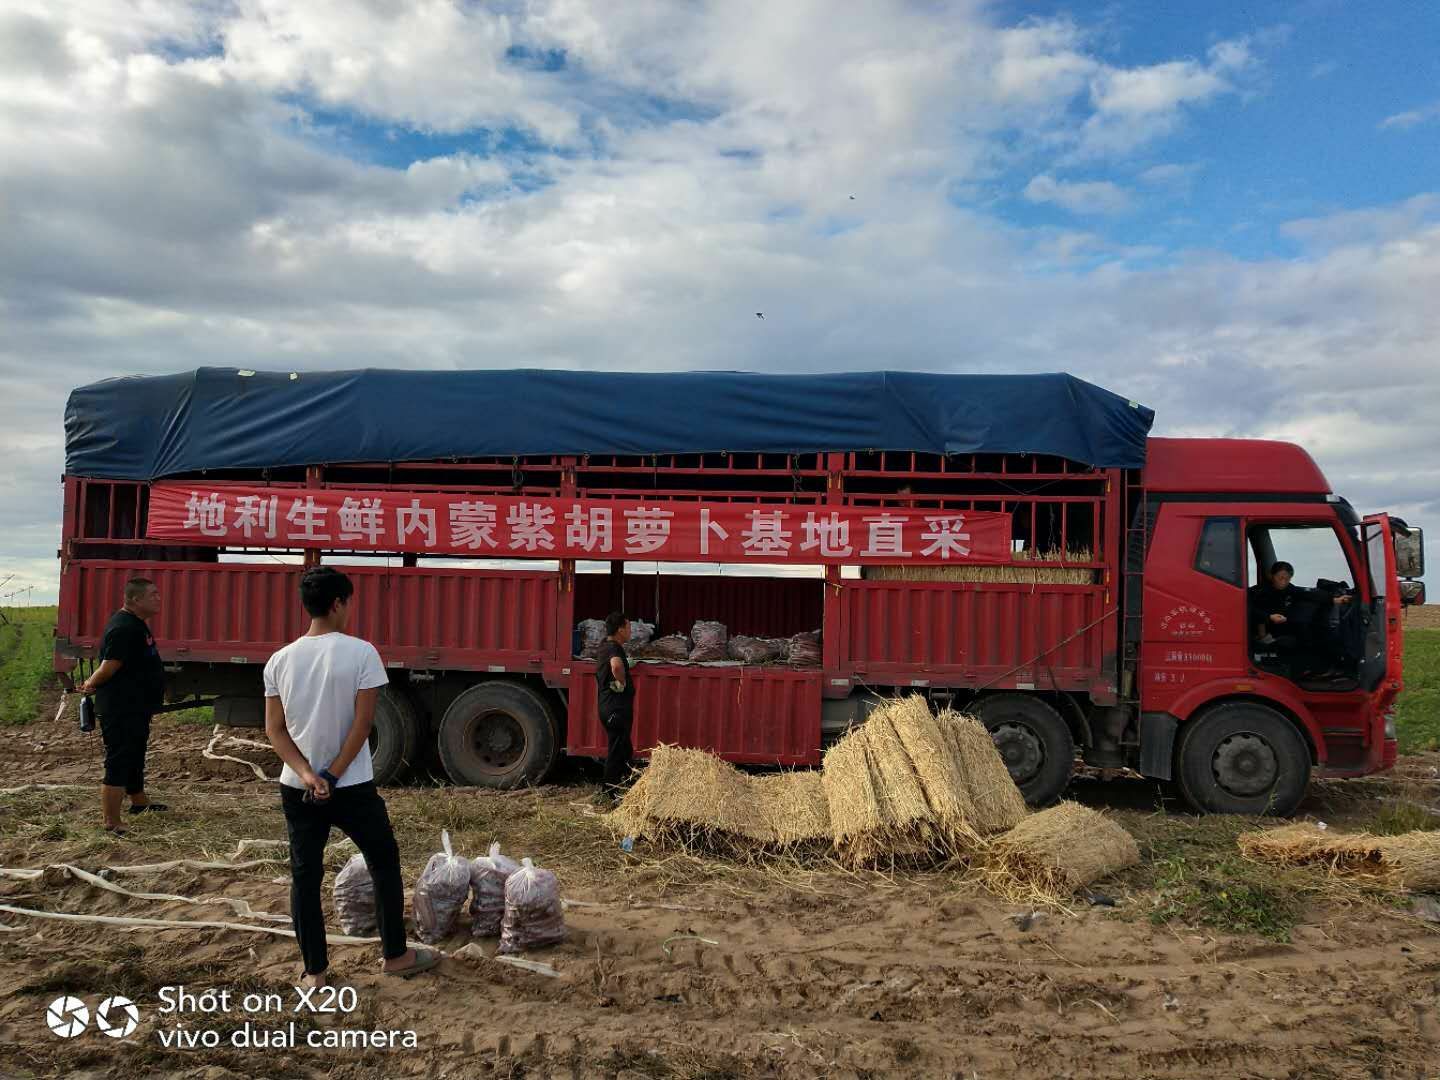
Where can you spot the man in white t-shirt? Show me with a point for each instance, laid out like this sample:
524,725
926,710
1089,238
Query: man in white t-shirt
320,694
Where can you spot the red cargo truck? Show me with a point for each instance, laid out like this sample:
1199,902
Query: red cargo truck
1013,545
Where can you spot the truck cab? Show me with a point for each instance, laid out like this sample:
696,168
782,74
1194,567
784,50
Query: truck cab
1245,686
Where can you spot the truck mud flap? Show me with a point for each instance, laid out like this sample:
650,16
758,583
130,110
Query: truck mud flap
240,711
1157,744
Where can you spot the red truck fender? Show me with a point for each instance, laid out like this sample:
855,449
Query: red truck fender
1273,692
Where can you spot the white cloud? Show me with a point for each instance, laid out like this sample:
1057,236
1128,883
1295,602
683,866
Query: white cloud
1135,106
1155,89
1396,222
1404,121
433,64
1042,62
1079,196
174,195
1171,176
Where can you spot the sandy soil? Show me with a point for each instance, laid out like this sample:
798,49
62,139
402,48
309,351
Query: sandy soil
802,972
1426,617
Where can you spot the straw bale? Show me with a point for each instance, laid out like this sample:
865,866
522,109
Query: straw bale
899,786
941,771
850,790
1414,860
691,792
904,784
794,806
1059,851
902,798
996,802
1304,843
631,815
692,797
1408,861
1006,575
862,812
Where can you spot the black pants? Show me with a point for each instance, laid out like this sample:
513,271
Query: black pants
126,736
359,812
620,750
1306,649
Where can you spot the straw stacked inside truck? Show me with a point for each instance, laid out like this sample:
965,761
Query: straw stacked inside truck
1046,569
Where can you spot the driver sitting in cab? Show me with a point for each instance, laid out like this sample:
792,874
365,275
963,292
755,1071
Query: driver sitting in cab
1283,617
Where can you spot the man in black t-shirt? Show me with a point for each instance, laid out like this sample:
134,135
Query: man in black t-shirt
616,699
129,685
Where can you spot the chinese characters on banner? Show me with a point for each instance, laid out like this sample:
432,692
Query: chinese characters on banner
507,527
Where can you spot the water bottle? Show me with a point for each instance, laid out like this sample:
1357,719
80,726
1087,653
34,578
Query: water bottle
87,713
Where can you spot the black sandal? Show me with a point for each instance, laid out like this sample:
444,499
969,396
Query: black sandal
157,807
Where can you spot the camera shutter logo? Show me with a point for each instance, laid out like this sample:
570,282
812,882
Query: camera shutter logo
67,1016
117,1016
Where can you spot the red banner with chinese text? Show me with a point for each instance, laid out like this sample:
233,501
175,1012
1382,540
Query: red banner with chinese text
521,528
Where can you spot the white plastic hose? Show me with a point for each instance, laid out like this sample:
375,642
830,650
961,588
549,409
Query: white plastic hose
219,735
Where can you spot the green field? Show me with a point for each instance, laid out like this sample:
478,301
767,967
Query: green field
26,666
1418,716
26,641
25,645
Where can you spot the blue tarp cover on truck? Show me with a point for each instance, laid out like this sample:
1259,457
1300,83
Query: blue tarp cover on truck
144,428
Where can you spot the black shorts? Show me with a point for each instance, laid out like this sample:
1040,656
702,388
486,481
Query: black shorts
126,736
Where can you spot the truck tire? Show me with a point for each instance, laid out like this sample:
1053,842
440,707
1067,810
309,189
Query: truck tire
395,736
499,735
1242,758
1034,742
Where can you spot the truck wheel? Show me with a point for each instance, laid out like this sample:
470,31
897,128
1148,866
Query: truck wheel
395,736
498,735
1242,758
1034,742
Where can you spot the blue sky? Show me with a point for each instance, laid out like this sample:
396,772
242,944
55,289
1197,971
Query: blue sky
1230,212
1305,141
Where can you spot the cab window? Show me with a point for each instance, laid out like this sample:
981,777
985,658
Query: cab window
1219,552
1313,550
1375,555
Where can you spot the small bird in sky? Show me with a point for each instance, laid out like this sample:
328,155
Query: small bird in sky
852,198
759,315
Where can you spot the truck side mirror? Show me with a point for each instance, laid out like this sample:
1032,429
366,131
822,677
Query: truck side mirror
1412,593
1410,553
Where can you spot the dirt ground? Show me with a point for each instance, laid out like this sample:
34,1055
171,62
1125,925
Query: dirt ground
681,966
1425,617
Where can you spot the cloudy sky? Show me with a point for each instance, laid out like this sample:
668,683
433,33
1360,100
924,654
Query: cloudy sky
1228,211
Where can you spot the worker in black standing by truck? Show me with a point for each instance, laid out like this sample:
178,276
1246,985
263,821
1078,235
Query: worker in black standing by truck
616,699
129,685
